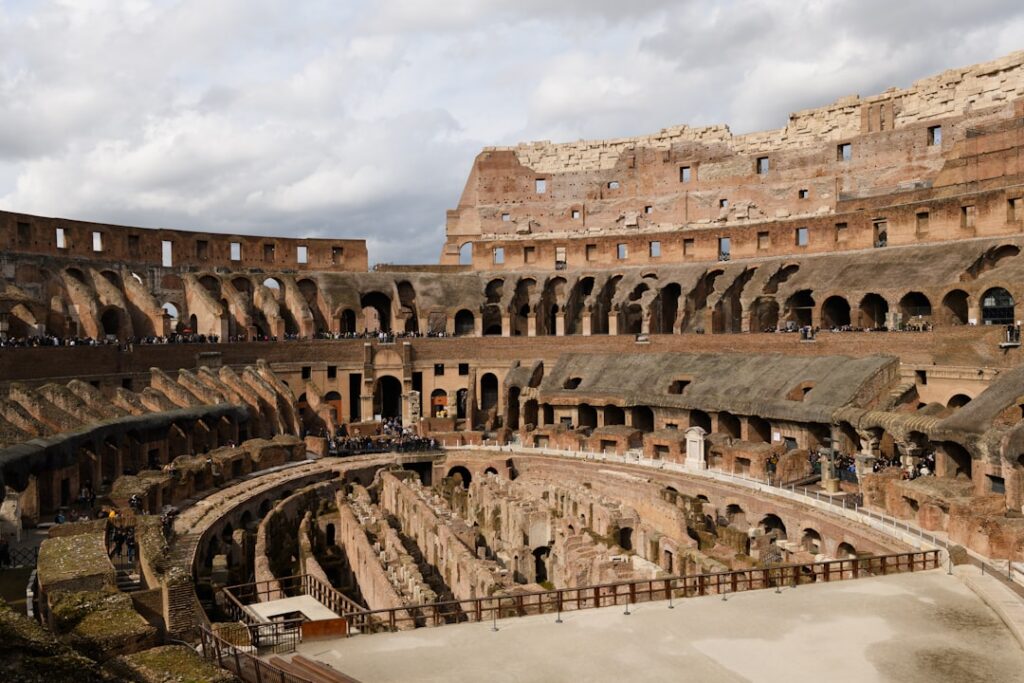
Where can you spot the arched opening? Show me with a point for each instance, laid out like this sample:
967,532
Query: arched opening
464,323
736,516
800,308
997,307
772,523
728,424
915,305
460,476
846,551
614,415
764,314
759,430
491,470
958,401
625,538
957,461
586,415
264,507
333,399
173,316
460,404
810,540
311,293
466,254
329,535
274,285
488,393
110,321
513,408
347,321
954,307
698,418
666,309
643,418
540,563
439,403
387,397
873,312
376,311
492,308
835,312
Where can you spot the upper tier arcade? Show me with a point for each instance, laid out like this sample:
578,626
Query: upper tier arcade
83,241
937,161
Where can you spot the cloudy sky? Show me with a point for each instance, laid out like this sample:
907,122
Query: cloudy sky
361,119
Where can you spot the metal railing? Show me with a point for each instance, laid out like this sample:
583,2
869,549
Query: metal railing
237,597
644,590
241,661
22,557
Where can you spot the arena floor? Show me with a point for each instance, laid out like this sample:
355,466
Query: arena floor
907,628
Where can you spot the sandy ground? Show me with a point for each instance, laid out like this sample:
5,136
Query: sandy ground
907,628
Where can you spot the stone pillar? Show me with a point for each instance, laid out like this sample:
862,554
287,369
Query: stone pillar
365,407
587,323
613,323
560,324
506,325
478,324
1014,487
531,325
695,448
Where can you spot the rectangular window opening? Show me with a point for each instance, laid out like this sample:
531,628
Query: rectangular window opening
540,185
463,369
560,258
934,136
62,242
967,216
764,240
723,203
438,369
337,255
688,246
613,185
648,209
506,217
166,253
332,372
802,237
621,251
684,174
97,241
655,249
922,222
24,234
803,194
269,252
840,232
499,255
724,248
591,252
202,250
1014,209
529,254
133,245
576,214
844,152
236,251
762,165
302,254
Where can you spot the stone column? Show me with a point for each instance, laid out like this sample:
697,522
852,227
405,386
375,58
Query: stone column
586,323
613,323
560,324
506,325
531,324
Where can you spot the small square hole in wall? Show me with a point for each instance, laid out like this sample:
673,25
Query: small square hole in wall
621,251
648,209
934,136
540,185
655,249
576,214
688,246
844,151
801,237
803,194
591,252
723,203
613,185
438,369
764,240
463,369
506,217
762,165
684,174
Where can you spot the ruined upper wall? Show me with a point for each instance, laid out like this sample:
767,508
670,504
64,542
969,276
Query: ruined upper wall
853,163
950,93
27,234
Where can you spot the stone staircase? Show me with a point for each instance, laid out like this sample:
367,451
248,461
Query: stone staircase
128,580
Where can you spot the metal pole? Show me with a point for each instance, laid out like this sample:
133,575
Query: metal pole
494,617
670,605
558,602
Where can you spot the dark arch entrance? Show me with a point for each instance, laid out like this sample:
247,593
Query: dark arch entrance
380,303
347,321
387,397
488,392
461,476
540,563
954,306
873,312
997,307
835,312
111,322
464,323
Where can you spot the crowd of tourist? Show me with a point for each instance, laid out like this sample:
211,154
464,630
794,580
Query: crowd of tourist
392,437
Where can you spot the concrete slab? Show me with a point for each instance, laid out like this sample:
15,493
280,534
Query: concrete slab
310,608
914,627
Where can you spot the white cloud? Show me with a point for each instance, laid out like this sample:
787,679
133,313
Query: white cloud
361,119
